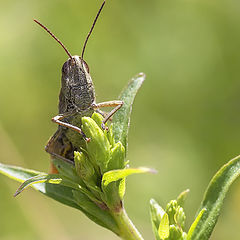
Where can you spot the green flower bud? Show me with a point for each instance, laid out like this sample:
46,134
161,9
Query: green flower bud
117,157
180,217
98,147
176,214
175,233
84,168
98,118
171,210
109,135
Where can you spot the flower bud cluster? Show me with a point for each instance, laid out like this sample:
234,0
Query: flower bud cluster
100,155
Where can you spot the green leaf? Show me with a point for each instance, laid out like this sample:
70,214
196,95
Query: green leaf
121,118
67,170
122,188
117,157
113,186
41,178
194,224
213,198
99,212
156,212
115,175
54,179
21,174
182,197
163,230
57,192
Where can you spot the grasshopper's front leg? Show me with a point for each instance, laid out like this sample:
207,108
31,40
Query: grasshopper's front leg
57,119
117,104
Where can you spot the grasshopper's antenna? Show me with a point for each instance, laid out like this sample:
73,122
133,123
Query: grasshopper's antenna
65,49
94,23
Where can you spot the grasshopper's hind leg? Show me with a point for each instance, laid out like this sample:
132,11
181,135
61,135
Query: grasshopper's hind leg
117,104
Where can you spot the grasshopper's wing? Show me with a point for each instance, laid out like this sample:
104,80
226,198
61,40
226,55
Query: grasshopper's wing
60,147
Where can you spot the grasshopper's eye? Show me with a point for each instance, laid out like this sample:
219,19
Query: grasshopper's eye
86,66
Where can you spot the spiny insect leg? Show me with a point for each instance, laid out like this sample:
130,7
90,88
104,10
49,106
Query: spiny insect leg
116,104
57,119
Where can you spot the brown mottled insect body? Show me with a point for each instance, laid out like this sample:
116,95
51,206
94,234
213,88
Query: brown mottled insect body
77,90
76,99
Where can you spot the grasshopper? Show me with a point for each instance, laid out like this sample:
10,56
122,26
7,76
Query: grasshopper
76,99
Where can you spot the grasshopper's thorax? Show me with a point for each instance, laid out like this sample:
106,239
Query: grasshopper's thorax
77,90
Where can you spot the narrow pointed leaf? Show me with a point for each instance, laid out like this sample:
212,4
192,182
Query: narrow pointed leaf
54,179
182,197
60,193
36,179
214,196
21,174
121,118
194,224
122,188
163,230
115,175
57,192
156,213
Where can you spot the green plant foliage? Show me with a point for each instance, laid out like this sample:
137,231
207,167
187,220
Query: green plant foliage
194,224
169,223
207,216
98,148
156,213
115,175
101,216
121,120
95,182
182,197
21,174
163,230
213,199
57,192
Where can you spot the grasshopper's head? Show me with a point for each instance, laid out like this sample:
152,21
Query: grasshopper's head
75,66
77,90
77,86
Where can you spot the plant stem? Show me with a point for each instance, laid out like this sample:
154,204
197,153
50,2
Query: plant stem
127,230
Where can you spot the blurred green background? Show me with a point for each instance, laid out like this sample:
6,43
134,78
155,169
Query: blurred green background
185,121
